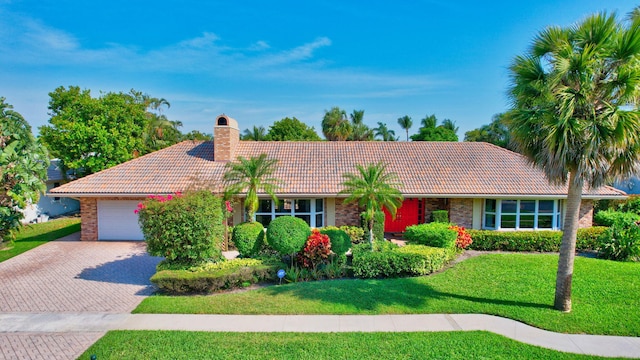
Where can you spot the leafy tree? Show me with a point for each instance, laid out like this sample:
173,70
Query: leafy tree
196,135
91,134
496,133
23,168
373,188
429,131
450,125
384,133
257,133
335,125
292,129
405,122
250,176
359,130
575,96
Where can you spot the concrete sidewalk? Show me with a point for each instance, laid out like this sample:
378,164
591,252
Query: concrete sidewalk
611,346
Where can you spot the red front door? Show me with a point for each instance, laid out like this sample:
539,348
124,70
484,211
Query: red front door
406,215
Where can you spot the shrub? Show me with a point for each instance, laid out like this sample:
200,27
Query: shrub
183,228
356,233
620,242
632,204
432,234
214,277
410,260
248,238
608,217
287,234
340,240
316,251
464,239
542,241
440,216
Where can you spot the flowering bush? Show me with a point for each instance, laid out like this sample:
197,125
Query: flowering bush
183,228
316,251
464,238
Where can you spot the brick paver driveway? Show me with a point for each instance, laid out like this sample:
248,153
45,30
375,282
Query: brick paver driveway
71,276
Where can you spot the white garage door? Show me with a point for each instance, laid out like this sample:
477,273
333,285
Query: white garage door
117,221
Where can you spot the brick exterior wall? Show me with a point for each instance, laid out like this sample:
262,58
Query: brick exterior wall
431,205
585,219
347,214
225,142
89,216
461,212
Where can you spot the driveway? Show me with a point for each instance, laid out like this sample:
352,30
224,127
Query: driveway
70,276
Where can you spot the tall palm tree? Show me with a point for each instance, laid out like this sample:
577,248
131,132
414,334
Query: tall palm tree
335,125
258,133
575,114
384,133
359,130
429,121
450,125
405,122
373,188
251,176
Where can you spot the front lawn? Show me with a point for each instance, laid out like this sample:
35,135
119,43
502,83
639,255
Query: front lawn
207,345
516,286
34,235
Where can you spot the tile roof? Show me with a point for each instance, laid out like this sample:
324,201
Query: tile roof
316,168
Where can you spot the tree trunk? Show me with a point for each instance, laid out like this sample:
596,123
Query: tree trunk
568,246
371,233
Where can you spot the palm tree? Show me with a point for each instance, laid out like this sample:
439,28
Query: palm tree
335,125
450,125
258,133
250,176
429,121
405,123
384,133
359,130
373,188
575,114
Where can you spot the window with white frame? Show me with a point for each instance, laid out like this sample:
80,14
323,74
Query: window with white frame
309,210
522,214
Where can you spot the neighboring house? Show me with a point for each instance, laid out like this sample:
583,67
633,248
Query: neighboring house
51,206
481,185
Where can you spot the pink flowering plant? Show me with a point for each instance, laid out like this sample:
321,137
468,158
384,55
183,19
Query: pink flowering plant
184,228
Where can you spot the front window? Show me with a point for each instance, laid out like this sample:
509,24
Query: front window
309,210
521,214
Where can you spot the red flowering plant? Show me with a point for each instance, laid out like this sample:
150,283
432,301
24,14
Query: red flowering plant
316,251
464,238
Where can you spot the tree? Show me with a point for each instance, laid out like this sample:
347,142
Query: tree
384,133
258,133
405,122
373,188
292,129
196,135
335,125
429,131
91,134
496,133
23,168
250,176
359,130
575,114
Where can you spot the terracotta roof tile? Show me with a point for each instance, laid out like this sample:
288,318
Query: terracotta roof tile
316,168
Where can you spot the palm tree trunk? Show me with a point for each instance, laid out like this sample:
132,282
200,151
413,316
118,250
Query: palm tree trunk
371,233
568,246
407,134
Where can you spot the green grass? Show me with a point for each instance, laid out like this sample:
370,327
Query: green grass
517,286
31,236
203,345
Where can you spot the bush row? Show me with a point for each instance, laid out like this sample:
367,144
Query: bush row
436,234
410,260
215,277
542,241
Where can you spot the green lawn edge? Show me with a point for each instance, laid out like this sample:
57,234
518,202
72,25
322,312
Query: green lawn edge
516,286
33,235
131,344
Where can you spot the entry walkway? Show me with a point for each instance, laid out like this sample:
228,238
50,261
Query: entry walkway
92,323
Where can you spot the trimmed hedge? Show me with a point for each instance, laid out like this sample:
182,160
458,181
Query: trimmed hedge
248,238
356,233
608,217
230,274
410,260
541,241
287,234
433,234
340,240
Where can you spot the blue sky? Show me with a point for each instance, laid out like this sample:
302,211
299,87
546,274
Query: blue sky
260,61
